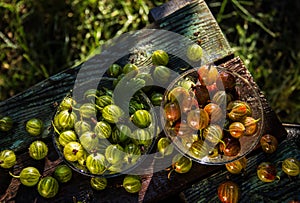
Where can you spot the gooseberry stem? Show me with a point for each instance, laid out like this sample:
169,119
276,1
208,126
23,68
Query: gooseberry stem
55,129
13,175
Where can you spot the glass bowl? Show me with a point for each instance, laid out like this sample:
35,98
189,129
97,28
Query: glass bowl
212,115
130,148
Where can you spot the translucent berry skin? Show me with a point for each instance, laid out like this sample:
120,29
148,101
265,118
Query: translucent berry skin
266,172
228,192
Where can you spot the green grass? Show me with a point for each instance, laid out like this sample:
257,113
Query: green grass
41,38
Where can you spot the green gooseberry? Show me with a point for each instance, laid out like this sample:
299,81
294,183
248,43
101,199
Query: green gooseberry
114,153
6,123
98,183
103,101
96,163
291,166
156,98
132,153
112,113
114,70
34,126
81,127
65,120
121,134
103,130
67,136
161,74
194,52
132,183
130,70
29,176
67,103
181,164
160,57
142,138
63,173
89,141
141,118
38,150
88,110
48,187
7,158
73,151
164,146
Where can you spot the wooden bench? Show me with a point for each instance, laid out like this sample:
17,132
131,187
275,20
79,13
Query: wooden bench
191,19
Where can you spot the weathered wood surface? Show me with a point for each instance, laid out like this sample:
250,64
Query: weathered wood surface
252,189
194,21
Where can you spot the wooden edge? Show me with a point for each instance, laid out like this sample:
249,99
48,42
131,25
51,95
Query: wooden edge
166,9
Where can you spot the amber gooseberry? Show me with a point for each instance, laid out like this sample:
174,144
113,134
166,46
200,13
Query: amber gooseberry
29,176
98,183
160,57
291,166
6,123
231,146
38,150
202,94
268,143
266,172
237,129
7,158
238,110
62,173
214,111
48,187
188,103
181,128
225,81
250,125
197,119
34,126
132,183
228,192
213,133
237,166
177,94
172,111
207,74
199,149
73,151
141,118
194,52
96,163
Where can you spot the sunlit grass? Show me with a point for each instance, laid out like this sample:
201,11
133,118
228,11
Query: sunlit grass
41,38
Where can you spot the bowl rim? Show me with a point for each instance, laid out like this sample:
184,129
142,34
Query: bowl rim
205,160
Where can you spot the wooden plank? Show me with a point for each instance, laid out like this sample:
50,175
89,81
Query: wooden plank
196,22
166,9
